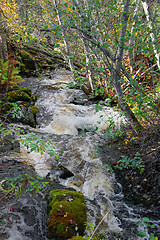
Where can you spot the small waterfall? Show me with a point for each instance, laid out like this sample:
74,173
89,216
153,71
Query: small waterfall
61,121
76,130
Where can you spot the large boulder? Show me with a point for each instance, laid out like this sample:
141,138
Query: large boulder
19,106
67,214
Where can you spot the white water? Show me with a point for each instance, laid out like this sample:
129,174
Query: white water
59,121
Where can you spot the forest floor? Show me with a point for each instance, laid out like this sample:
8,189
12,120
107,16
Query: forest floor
142,187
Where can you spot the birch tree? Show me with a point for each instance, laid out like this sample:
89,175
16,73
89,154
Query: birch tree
147,11
131,40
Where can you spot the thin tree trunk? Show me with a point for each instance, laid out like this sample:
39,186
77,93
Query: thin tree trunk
117,73
131,40
3,38
65,40
88,62
152,35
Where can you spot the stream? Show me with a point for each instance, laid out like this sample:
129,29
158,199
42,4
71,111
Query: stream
68,121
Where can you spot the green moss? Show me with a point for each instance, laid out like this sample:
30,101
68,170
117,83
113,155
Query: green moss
5,107
34,109
27,90
18,95
67,214
25,54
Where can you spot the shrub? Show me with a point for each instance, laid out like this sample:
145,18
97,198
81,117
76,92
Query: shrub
9,74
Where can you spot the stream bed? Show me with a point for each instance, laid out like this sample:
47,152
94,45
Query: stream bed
71,124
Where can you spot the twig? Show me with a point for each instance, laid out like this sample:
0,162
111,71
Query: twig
3,196
148,69
98,226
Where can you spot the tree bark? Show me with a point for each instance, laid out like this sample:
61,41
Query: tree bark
152,35
88,62
131,40
3,38
117,72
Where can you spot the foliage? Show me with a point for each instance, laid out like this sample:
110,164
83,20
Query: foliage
16,111
93,42
19,185
10,11
92,230
10,108
135,163
9,74
34,143
112,131
10,129
146,222
101,36
110,169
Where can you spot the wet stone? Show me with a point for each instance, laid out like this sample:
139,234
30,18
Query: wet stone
9,143
60,171
24,217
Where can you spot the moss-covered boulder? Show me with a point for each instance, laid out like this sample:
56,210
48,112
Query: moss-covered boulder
5,107
29,63
18,95
67,214
27,90
34,109
18,106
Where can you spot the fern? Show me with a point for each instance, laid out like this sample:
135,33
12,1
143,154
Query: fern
9,74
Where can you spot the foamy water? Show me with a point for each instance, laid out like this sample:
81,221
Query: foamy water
60,117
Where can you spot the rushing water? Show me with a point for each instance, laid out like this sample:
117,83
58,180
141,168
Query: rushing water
67,120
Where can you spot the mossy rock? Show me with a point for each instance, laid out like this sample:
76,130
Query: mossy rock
67,214
5,107
27,90
18,95
9,143
29,63
34,109
23,53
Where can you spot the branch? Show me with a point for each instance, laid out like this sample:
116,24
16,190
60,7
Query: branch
90,38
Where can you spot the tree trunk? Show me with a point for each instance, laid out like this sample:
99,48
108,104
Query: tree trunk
131,40
152,35
88,62
65,40
3,38
117,72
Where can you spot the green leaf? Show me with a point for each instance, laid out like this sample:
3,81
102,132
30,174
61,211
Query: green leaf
142,234
145,219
